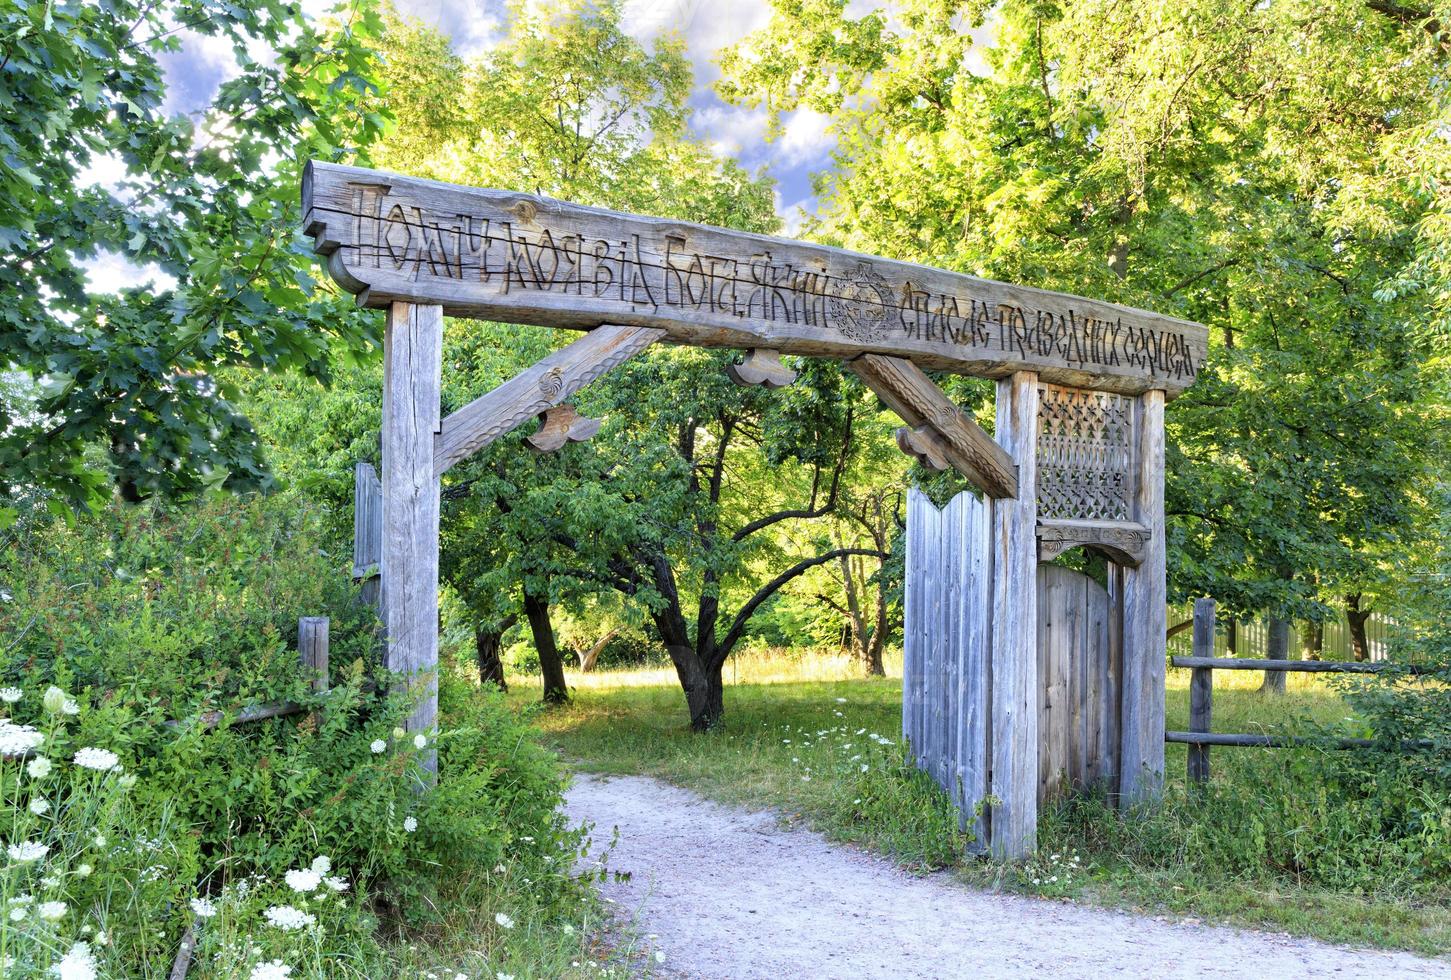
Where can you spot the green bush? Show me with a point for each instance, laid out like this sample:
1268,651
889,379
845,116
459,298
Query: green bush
143,619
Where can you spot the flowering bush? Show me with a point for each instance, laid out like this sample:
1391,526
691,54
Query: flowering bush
289,847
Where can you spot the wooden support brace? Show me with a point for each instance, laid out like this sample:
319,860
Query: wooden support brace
761,367
534,391
913,396
559,425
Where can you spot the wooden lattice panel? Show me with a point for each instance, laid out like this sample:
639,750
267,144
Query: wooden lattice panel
1085,449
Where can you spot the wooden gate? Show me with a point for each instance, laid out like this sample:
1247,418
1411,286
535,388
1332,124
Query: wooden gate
1079,664
950,717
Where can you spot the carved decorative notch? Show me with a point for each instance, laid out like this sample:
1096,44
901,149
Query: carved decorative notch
761,367
1085,452
924,445
559,425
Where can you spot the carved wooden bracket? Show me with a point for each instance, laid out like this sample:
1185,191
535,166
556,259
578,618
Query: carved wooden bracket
1121,542
923,445
923,406
761,367
559,425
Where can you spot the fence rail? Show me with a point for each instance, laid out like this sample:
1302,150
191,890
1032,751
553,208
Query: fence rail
1202,664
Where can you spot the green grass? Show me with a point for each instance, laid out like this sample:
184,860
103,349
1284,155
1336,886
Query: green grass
799,730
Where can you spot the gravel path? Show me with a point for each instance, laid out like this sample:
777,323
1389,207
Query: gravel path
731,894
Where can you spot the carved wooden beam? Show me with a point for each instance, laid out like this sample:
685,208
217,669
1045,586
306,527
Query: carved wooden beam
559,425
1123,542
761,367
913,396
924,445
534,391
503,255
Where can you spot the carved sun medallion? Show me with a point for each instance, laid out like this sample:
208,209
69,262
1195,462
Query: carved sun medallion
859,306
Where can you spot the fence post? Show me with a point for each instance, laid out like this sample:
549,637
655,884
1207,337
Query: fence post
1201,689
312,647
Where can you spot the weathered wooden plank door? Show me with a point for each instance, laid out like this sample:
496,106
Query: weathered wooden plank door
1078,683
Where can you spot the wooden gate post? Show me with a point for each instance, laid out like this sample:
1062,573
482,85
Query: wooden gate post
1014,653
1145,613
412,368
1201,690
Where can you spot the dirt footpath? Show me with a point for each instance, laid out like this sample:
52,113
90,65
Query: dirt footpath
729,895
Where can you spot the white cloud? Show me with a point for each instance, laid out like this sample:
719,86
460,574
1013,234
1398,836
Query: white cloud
109,273
805,139
730,130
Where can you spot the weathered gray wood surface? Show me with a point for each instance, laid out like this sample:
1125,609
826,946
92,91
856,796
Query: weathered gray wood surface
1077,689
312,647
945,665
1014,657
761,367
919,402
1122,542
1145,606
367,530
560,425
548,383
508,256
1201,690
412,366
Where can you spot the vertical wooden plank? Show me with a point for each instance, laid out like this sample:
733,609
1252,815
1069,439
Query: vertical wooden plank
973,736
1046,624
1114,672
412,362
911,600
1014,660
367,530
1201,689
1141,759
933,690
312,644
1096,707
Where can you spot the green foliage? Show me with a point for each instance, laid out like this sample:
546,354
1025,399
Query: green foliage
125,387
143,615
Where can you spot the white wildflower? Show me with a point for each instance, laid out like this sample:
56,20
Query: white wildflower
51,911
101,760
322,864
568,929
420,741
17,915
70,707
39,806
39,767
84,871
272,970
76,964
336,883
504,920
379,746
460,976
204,908
10,694
410,824
659,956
18,739
501,975
302,881
287,918
54,700
27,851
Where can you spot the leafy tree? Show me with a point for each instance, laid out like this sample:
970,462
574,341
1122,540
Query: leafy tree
127,384
1174,156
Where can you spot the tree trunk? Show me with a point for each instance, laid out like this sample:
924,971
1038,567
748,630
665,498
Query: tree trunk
1279,649
1355,617
536,608
1231,636
704,691
1312,641
486,649
588,658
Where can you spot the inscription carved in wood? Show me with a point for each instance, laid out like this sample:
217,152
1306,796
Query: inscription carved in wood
510,256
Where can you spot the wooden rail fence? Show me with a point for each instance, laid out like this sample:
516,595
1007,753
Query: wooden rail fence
1202,664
